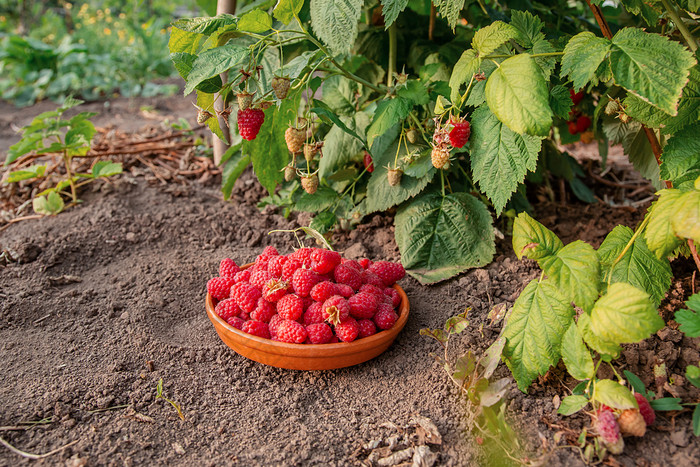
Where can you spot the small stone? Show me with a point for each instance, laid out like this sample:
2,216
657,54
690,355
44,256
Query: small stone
130,237
680,438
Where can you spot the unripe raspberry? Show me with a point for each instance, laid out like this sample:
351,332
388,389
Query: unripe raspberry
310,151
245,99
609,431
645,409
413,135
289,173
394,176
295,139
310,183
440,157
280,85
632,423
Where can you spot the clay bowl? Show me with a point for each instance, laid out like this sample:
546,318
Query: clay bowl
308,356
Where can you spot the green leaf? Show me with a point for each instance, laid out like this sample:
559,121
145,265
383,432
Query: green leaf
666,404
183,63
681,157
625,315
342,146
572,404
582,56
449,9
456,325
696,420
335,22
213,62
689,106
546,63
576,355
576,271
204,25
650,66
689,319
638,266
644,112
233,169
322,199
106,169
35,171
637,148
500,158
391,10
206,101
79,137
517,94
184,41
256,21
414,91
389,112
686,218
641,8
529,27
692,374
491,37
439,237
49,205
593,340
659,234
467,65
28,143
532,239
636,383
560,101
286,10
614,395
534,331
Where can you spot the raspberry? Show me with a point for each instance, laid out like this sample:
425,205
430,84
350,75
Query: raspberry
388,272
645,409
413,135
246,296
289,173
373,289
274,289
367,328
289,268
264,311
324,261
365,263
367,161
319,333
394,295
303,281
249,122
336,309
609,431
259,278
227,309
219,287
363,305
460,133
228,268
303,255
323,291
632,423
256,328
313,314
394,176
369,277
274,266
348,330
573,129
236,322
583,123
245,99
351,263
310,151
310,183
290,307
385,317
576,97
280,85
291,331
272,325
344,290
345,274
295,139
242,276
440,157
268,252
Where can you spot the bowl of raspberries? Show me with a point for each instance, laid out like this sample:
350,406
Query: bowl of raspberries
311,309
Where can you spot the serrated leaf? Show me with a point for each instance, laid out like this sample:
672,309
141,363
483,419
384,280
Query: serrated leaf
414,91
204,25
666,404
106,169
637,148
28,143
534,331
256,21
335,22
583,54
391,10
477,95
449,9
213,62
286,10
500,158
689,106
183,63
681,157
594,341
517,94
686,218
48,205
317,202
650,66
636,383
689,319
467,65
576,272
659,233
638,266
644,112
340,147
575,354
614,395
560,101
546,63
643,9
439,237
625,315
491,37
233,169
35,171
572,404
529,27
532,239
184,41
389,112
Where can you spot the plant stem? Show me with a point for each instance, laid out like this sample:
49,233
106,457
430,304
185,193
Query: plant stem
442,182
466,93
692,43
694,252
547,54
431,24
392,55
69,172
600,19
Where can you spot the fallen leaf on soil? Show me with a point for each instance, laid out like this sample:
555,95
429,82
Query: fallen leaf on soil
139,417
426,430
396,458
424,457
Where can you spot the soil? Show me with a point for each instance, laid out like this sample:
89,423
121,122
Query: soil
101,302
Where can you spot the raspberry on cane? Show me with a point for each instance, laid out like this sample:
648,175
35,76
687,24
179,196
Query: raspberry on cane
294,138
249,122
645,409
460,133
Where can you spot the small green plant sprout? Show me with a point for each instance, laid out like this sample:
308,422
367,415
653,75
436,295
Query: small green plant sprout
49,134
159,395
689,320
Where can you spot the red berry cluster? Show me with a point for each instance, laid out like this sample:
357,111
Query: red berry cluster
578,122
310,296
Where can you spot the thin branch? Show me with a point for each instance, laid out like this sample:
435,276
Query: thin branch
35,456
687,35
694,252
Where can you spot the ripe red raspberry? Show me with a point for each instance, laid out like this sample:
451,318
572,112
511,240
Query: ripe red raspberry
385,317
272,325
313,314
269,251
219,287
348,330
388,272
274,266
264,311
576,97
227,308
289,268
259,278
246,296
367,328
242,276
235,322
336,309
303,255
573,128
394,295
367,161
645,409
249,122
609,431
583,123
365,263
344,290
291,331
353,264
274,289
228,268
303,281
290,307
460,133
363,305
346,274
319,333
324,261
373,289
369,277
323,291
632,423
256,328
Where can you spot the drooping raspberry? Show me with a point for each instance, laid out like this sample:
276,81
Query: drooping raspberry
394,295
324,261
310,183
323,291
645,409
576,97
259,278
290,307
242,276
249,122
609,431
388,272
319,333
291,331
289,268
344,290
295,139
348,330
256,328
385,317
367,161
280,85
346,274
632,423
228,268
313,314
369,277
219,287
583,123
393,176
363,305
367,328
460,133
336,309
227,308
440,157
303,281
236,322
274,289
264,311
245,99
246,296
274,266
